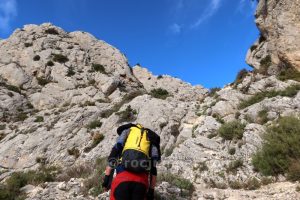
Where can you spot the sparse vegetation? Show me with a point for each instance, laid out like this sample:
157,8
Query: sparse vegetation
265,63
10,189
28,44
11,87
160,77
280,153
262,116
97,138
98,68
21,117
232,130
236,185
94,124
60,58
240,76
77,171
71,72
127,115
2,126
74,152
177,181
51,31
94,182
253,47
159,93
169,151
258,97
234,166
213,91
42,81
289,73
39,119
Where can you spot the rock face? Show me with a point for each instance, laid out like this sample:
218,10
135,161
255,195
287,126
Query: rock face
278,22
63,95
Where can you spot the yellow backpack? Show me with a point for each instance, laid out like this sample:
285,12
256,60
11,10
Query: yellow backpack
135,154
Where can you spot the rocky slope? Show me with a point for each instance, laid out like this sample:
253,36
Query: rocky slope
64,94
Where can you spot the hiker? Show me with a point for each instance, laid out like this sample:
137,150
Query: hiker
134,157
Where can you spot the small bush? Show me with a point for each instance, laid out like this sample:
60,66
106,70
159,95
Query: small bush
10,190
50,63
265,63
289,73
232,130
236,185
60,58
231,151
252,184
92,82
13,88
71,72
293,173
234,165
258,97
262,116
213,91
169,151
36,58
21,116
160,77
281,147
74,152
253,47
27,44
160,93
94,124
240,76
94,182
39,119
51,31
41,160
2,126
177,181
78,171
127,115
42,81
98,68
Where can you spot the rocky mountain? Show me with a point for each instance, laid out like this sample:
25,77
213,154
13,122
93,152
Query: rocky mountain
64,94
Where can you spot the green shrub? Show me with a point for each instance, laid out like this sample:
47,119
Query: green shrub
2,126
232,130
160,93
39,119
94,182
21,116
252,184
265,63
213,91
258,97
280,148
160,77
240,76
98,68
71,72
13,88
60,58
127,115
262,116
253,47
169,151
27,44
74,152
176,180
236,185
10,190
50,63
42,81
94,124
289,73
231,151
51,31
234,165
97,138
293,173
36,58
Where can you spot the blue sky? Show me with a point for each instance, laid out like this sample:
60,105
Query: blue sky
200,41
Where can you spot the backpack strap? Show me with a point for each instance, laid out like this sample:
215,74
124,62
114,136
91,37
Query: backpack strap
123,127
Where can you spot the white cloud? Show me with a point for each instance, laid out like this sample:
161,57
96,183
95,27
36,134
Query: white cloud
175,28
8,11
210,10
